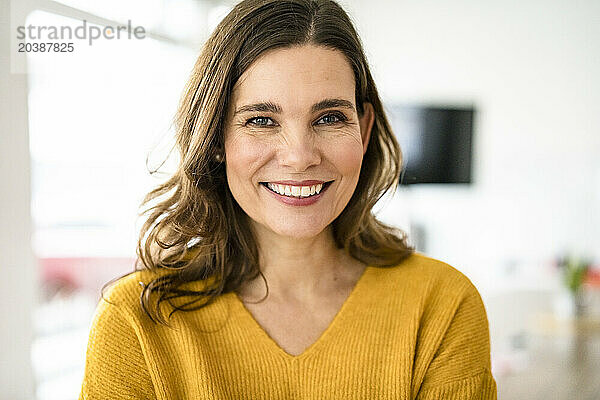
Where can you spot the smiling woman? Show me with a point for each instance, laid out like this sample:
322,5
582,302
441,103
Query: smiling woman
295,125
264,240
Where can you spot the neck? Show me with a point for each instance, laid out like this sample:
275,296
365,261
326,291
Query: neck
301,269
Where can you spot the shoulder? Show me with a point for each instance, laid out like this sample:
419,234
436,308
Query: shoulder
114,348
124,292
453,329
113,322
124,287
426,274
424,286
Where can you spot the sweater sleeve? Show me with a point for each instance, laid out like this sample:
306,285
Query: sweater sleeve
461,367
115,366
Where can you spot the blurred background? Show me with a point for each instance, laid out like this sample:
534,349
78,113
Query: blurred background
495,105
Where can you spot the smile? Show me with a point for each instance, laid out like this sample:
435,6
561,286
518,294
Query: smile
296,191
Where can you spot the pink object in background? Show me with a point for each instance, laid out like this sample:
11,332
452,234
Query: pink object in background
86,274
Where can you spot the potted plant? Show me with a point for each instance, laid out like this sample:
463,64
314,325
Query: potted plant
571,301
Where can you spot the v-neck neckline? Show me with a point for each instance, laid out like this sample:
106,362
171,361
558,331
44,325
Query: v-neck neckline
335,324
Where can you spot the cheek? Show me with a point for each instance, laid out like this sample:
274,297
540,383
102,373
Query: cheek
242,157
347,156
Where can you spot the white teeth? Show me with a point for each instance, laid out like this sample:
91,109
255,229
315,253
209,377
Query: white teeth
305,191
295,191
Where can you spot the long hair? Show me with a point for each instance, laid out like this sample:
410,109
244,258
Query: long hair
195,230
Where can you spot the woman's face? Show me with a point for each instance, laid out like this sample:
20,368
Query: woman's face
292,121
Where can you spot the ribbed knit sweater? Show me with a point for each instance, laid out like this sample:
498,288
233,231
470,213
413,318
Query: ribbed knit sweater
418,330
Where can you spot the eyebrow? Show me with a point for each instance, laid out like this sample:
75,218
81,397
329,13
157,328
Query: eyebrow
276,109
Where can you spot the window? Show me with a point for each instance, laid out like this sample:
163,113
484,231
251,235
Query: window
95,115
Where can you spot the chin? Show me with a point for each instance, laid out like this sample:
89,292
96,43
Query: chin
297,232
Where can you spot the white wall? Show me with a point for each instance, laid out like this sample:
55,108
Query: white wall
532,69
18,281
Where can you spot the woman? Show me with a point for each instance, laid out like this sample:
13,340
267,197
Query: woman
279,282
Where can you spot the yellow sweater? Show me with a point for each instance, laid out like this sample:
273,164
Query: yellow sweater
418,330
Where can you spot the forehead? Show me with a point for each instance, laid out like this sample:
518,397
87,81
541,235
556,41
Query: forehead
296,76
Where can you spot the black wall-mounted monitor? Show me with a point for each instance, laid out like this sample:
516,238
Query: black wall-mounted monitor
436,143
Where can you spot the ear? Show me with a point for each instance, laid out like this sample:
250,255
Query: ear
366,124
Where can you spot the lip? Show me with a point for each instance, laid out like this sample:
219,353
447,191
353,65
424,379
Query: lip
298,201
298,183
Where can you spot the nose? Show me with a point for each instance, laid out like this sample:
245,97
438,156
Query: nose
300,150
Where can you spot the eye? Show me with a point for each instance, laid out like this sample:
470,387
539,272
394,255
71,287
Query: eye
332,118
260,121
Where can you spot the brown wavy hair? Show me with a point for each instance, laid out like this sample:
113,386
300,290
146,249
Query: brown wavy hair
195,230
